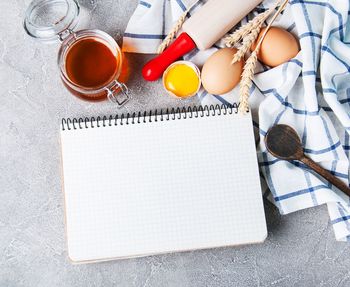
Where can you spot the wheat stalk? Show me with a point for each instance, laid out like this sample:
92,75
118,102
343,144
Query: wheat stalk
246,29
169,38
279,11
249,67
248,34
171,35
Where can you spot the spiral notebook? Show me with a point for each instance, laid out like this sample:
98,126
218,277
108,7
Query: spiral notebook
152,183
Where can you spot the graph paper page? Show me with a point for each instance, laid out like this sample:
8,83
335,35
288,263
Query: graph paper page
166,186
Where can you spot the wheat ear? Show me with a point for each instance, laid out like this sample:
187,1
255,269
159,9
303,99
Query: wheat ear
249,37
246,29
247,82
246,44
249,67
171,35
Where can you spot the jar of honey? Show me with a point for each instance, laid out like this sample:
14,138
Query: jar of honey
90,61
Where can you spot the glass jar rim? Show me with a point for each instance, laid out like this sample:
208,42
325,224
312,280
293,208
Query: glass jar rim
74,38
46,20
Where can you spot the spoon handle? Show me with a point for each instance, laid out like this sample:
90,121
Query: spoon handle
326,174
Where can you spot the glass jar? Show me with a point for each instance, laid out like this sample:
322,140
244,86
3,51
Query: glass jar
90,61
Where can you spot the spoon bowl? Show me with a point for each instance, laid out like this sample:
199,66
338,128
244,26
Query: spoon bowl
283,142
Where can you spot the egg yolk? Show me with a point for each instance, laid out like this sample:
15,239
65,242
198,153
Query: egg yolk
182,80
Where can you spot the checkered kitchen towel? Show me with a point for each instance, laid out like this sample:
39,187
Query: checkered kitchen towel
310,92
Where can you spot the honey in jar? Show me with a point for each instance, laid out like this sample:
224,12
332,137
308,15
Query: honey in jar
90,61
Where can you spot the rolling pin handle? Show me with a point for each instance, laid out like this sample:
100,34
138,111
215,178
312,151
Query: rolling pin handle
154,69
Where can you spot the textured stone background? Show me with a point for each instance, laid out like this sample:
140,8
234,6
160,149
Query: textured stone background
299,251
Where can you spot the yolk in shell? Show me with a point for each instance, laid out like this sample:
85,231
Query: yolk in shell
182,80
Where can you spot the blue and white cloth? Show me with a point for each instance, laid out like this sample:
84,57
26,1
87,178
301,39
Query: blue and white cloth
310,93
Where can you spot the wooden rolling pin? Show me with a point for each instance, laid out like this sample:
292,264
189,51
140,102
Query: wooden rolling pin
202,30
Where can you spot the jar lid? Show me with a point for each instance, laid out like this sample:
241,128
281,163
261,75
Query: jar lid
48,20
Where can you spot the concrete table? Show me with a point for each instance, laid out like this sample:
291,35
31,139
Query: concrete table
300,249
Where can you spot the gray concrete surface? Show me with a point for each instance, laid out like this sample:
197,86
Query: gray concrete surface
300,249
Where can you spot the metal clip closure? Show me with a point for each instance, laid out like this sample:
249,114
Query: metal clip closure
64,34
118,93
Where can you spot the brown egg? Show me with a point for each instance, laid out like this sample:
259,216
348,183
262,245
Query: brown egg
278,47
219,76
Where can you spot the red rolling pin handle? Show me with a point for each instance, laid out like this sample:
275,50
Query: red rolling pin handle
154,69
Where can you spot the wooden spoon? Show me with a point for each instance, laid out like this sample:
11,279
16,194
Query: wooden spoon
283,142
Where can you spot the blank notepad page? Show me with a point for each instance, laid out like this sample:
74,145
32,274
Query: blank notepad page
161,186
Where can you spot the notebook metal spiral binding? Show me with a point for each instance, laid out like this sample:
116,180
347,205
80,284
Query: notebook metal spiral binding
151,116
